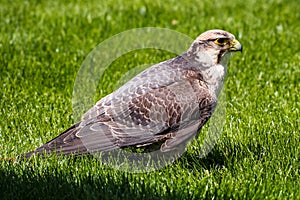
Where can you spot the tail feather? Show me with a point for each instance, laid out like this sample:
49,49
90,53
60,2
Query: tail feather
78,140
65,144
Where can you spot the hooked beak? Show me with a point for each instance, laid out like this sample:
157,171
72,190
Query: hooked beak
235,45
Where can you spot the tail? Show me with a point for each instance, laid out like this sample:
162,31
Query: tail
78,140
65,144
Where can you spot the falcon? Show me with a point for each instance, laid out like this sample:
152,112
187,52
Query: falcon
164,106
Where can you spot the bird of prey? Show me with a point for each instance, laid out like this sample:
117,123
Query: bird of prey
166,104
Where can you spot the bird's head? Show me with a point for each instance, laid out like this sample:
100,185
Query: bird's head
214,47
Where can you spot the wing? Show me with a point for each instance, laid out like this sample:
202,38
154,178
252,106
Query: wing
145,119
173,111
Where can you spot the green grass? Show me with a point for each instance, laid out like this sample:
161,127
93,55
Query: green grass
42,46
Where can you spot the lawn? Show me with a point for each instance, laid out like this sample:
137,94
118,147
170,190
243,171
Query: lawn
42,47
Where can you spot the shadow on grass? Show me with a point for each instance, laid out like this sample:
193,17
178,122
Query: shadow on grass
19,181
30,185
224,155
26,180
30,180
214,159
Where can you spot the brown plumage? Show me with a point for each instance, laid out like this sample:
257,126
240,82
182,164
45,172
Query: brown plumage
167,104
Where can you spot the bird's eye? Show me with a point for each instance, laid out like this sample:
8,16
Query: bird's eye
221,41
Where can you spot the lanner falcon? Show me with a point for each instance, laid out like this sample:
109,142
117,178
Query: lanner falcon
166,104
